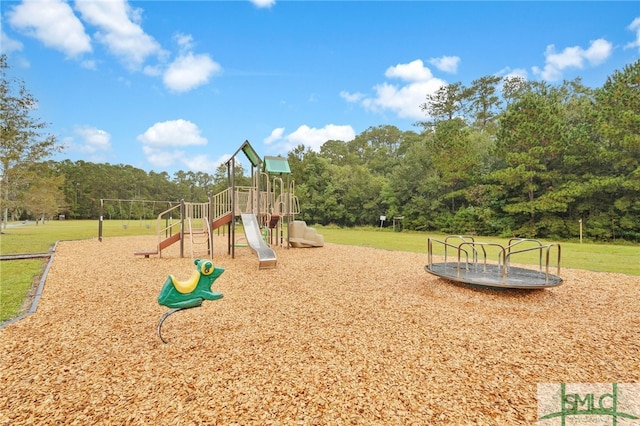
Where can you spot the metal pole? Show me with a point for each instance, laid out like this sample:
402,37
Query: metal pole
289,209
580,221
232,230
100,221
182,228
210,219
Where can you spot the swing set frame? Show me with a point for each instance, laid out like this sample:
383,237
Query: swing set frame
144,215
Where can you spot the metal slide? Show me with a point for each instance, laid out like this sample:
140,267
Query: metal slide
266,255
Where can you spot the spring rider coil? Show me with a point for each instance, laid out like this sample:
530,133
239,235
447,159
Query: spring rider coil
179,295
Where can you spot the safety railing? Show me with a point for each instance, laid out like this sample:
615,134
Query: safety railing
168,216
221,204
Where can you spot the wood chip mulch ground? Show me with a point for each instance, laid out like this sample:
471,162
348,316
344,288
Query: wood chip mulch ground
334,335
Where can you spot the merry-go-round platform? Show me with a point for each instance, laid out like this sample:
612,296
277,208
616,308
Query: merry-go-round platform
490,264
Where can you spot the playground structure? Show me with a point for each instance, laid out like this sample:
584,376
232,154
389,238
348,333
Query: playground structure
266,209
469,267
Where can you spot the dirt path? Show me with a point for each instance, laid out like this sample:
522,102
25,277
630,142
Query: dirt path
333,335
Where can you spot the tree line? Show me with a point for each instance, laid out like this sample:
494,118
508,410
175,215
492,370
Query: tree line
503,156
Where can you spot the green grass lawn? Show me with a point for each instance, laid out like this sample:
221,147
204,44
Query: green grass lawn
17,276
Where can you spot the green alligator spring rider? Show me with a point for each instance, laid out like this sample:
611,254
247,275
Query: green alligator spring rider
178,295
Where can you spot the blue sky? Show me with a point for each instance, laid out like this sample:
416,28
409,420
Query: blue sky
180,85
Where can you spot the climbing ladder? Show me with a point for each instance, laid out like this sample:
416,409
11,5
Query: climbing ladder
198,230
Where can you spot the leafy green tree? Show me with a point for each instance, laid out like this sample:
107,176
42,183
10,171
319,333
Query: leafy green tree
455,159
317,198
295,157
337,153
43,200
23,140
195,186
378,148
358,191
618,107
529,141
447,103
413,187
484,103
160,187
220,179
513,88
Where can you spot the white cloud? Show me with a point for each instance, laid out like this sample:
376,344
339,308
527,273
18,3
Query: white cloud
161,143
119,30
93,139
184,41
413,71
446,63
53,23
275,135
199,162
91,142
202,163
89,64
172,133
308,136
163,158
263,3
572,57
634,26
153,70
598,52
352,97
404,100
9,45
190,71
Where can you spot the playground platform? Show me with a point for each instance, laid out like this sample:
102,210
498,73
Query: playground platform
491,276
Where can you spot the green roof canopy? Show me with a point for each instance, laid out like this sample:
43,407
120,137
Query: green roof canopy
251,154
276,165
